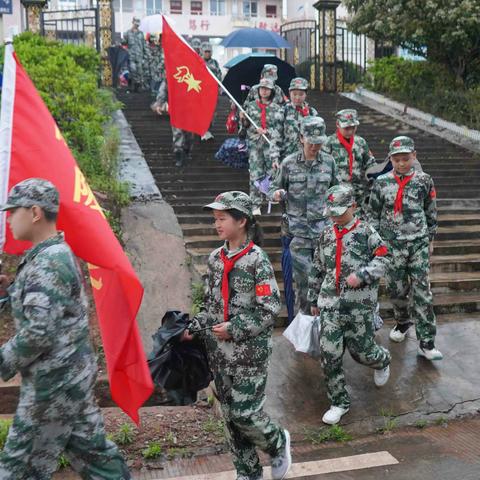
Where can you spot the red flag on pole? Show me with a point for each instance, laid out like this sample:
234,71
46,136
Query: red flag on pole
31,145
192,89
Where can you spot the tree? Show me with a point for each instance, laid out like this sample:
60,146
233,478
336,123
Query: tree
444,31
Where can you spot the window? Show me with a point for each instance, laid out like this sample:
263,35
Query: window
176,7
250,9
127,5
196,8
154,6
271,11
217,7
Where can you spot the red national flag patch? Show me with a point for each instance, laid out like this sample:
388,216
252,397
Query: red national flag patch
381,251
331,198
263,290
433,193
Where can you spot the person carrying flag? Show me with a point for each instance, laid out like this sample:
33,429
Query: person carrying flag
51,349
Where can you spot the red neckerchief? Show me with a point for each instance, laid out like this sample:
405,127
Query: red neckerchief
304,111
263,109
402,183
228,264
339,234
348,145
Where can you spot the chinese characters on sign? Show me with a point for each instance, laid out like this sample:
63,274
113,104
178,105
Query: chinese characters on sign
5,7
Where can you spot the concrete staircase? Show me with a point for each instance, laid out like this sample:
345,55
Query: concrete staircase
456,262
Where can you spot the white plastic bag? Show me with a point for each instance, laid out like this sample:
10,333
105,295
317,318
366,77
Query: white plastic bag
304,334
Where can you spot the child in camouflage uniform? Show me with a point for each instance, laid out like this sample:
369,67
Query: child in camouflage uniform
154,64
51,349
268,71
242,302
349,260
404,211
352,156
263,157
294,110
303,181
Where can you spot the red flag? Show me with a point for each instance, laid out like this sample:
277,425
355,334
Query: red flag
31,145
192,89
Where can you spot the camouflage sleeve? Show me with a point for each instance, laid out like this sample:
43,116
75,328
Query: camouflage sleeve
316,274
42,307
218,71
334,180
276,135
430,205
267,295
280,182
327,147
380,258
375,206
162,96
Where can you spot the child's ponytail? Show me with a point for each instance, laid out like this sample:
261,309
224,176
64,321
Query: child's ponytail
254,230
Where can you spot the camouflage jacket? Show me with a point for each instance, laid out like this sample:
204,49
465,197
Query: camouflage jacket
51,347
274,127
278,98
214,67
254,302
418,218
363,253
306,184
136,46
154,62
291,127
362,160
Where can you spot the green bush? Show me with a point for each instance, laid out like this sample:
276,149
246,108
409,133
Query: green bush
4,428
67,78
427,86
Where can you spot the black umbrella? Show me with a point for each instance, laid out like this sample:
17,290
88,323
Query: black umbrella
181,368
118,57
247,73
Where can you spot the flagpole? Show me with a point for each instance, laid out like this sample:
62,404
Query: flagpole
237,104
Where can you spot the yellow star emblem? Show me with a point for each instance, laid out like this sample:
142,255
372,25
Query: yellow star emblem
183,75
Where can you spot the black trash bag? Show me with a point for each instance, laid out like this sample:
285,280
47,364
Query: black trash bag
181,368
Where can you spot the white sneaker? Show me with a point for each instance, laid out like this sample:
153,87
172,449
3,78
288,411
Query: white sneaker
207,136
283,461
333,415
429,351
396,335
380,377
257,212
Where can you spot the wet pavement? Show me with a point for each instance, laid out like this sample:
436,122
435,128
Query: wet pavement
417,389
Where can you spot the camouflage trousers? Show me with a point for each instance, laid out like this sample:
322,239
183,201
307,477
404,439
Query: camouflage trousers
247,426
136,71
182,140
70,422
408,285
352,328
302,250
260,165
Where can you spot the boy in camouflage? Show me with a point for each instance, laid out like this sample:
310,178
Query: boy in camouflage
136,53
268,71
154,64
303,181
350,258
51,349
241,303
352,156
403,209
294,110
264,156
214,67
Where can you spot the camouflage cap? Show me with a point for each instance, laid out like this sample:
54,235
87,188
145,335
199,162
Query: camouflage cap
196,42
339,199
152,37
298,83
269,70
267,83
33,191
232,201
313,130
401,145
136,20
347,118
207,47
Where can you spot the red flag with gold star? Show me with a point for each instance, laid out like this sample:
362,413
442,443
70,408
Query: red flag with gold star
192,89
31,145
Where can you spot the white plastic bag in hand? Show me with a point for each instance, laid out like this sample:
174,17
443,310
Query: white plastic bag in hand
304,334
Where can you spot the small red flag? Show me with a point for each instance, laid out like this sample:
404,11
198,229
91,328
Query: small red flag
192,89
31,145
263,290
